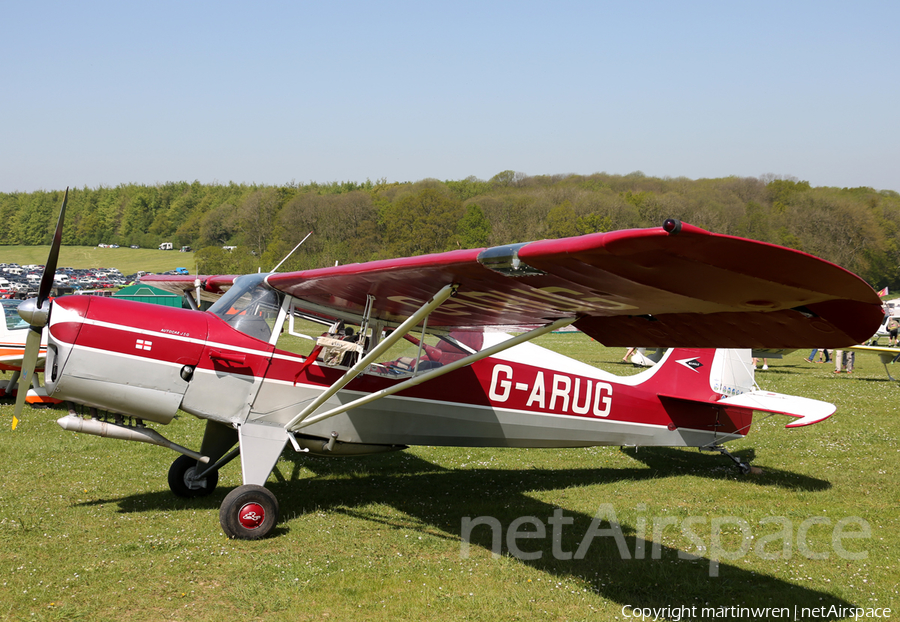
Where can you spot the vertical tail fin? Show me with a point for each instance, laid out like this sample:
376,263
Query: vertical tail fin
703,374
732,372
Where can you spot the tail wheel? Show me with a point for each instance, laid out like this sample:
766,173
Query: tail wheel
182,482
248,512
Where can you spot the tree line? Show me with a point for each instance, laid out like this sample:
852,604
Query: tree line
856,228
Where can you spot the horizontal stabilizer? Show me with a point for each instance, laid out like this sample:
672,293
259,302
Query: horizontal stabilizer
809,411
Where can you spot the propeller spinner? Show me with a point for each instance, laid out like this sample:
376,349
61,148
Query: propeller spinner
36,311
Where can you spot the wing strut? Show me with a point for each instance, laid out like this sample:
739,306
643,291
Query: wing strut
376,352
305,420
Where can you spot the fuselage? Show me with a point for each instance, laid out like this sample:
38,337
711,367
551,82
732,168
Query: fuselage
148,361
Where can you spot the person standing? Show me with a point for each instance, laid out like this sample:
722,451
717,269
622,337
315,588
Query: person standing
893,327
844,359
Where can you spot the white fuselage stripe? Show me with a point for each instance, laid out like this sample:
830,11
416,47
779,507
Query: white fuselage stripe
185,339
125,355
432,402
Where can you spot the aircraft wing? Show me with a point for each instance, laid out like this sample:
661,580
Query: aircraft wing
886,354
676,285
212,286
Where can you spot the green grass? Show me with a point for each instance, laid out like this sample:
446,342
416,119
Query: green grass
89,530
126,260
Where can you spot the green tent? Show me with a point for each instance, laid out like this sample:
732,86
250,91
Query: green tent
145,293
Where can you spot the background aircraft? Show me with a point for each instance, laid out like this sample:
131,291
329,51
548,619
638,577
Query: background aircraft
13,333
239,365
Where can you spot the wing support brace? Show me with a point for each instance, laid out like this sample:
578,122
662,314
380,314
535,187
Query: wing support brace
887,359
301,422
375,353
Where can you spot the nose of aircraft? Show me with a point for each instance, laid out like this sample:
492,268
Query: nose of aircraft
32,311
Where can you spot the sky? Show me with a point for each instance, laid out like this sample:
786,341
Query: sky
107,93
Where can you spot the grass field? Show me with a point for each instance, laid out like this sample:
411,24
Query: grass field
126,260
89,529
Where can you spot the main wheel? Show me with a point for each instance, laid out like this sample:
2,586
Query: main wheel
182,482
248,512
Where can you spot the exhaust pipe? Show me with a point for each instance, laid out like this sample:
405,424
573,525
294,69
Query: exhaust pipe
105,429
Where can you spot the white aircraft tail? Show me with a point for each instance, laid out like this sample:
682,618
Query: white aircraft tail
731,374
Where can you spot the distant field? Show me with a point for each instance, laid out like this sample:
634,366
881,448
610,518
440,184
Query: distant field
126,260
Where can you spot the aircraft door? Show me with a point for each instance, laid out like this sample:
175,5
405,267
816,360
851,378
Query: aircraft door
228,375
235,358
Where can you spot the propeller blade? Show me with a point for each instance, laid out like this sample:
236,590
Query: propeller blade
29,361
53,257
37,314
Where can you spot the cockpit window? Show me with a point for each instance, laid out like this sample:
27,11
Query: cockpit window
13,320
250,306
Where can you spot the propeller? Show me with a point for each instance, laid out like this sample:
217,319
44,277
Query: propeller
36,311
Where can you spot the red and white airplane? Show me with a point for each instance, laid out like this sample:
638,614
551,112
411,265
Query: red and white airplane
467,384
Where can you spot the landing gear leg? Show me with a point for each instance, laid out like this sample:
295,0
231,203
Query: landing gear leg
744,467
249,512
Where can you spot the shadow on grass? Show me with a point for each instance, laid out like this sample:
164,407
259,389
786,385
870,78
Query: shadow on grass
671,461
858,378
626,564
777,370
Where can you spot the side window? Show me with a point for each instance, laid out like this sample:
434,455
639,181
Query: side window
298,335
416,354
301,332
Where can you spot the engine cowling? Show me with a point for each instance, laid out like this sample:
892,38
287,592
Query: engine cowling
122,356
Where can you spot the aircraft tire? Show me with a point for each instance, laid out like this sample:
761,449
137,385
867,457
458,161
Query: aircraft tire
248,512
179,474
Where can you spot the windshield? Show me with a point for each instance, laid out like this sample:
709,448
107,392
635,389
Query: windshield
250,306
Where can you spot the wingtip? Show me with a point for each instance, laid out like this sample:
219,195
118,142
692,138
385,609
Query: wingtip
809,420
